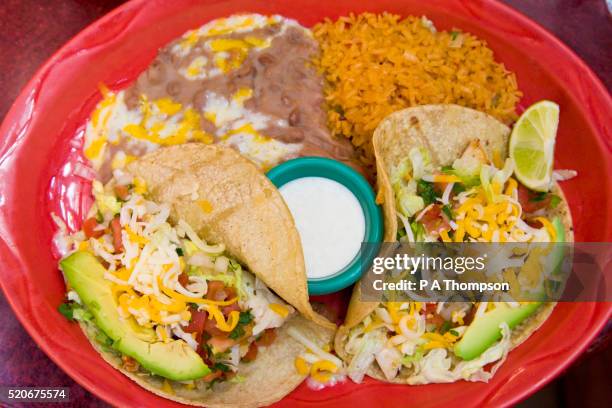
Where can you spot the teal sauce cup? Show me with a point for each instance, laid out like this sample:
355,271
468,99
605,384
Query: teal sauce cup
357,184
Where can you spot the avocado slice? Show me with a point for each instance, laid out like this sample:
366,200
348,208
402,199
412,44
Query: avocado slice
485,331
559,250
174,360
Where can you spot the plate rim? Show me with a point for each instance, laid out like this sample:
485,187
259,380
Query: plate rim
17,108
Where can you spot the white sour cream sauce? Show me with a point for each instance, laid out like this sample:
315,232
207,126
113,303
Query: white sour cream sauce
330,221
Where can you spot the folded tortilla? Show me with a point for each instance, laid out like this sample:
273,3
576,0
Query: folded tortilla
445,131
266,380
245,212
225,198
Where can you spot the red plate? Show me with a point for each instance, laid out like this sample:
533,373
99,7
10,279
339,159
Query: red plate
35,143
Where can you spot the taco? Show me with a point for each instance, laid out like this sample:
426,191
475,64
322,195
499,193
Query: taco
441,169
193,321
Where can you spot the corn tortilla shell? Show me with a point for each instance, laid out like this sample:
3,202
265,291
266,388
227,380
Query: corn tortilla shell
445,131
266,380
226,199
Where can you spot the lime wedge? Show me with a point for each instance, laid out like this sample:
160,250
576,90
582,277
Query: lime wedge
532,145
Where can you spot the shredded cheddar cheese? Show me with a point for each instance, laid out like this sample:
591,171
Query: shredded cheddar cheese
322,370
301,366
206,206
279,309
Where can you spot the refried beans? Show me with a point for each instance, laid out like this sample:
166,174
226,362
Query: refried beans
245,81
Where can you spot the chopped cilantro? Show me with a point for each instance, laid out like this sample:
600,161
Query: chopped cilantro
99,217
179,251
445,327
401,232
418,354
555,200
454,332
207,348
447,210
458,188
447,169
454,35
103,339
244,319
538,197
66,310
211,384
237,333
220,356
221,367
426,190
234,265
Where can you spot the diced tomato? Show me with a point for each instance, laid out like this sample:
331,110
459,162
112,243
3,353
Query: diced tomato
230,292
203,352
221,344
212,376
433,220
197,323
430,308
116,230
469,316
183,279
251,354
226,310
130,364
216,291
435,319
122,192
533,223
89,226
210,327
526,198
432,317
267,337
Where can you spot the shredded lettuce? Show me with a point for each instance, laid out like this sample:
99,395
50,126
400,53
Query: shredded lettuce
418,230
485,180
226,279
82,315
408,201
234,280
183,227
467,167
409,204
409,360
371,343
402,172
421,163
237,268
501,176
